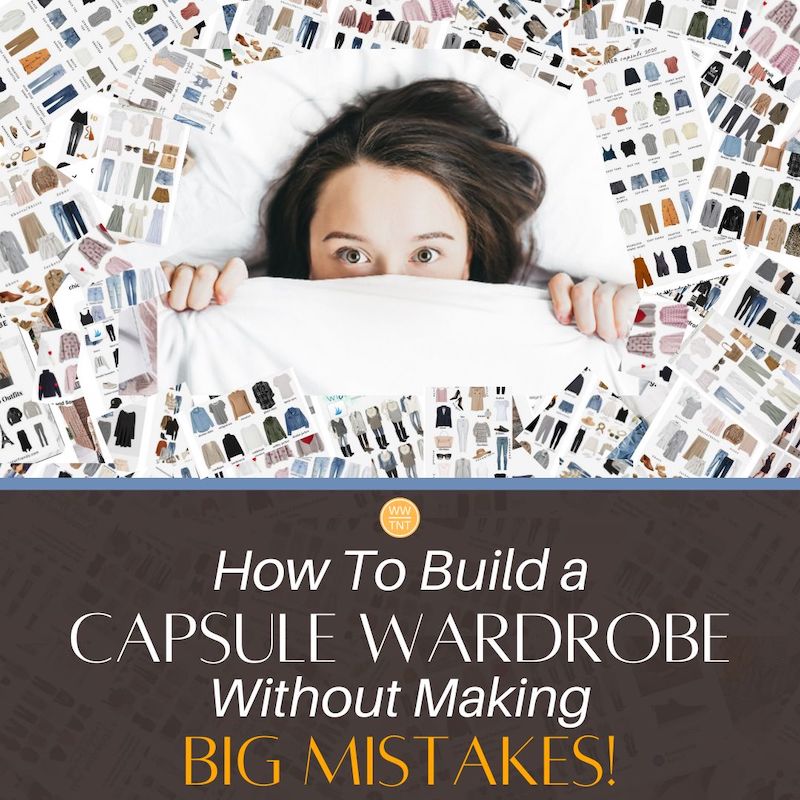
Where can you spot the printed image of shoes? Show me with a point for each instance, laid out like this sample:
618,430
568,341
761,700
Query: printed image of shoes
501,429
9,297
725,251
647,462
37,301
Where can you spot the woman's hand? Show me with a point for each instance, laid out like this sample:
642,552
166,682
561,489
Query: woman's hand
195,287
602,308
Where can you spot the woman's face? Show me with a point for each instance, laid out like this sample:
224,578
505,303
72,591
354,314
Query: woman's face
371,220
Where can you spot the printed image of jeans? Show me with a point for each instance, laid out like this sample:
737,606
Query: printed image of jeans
659,175
75,134
558,432
625,449
69,220
502,453
129,280
114,286
716,462
416,421
70,37
306,32
731,118
638,182
164,177
722,394
686,203
756,305
98,315
713,296
356,43
321,467
716,105
337,45
46,78
60,98
104,177
337,467
192,95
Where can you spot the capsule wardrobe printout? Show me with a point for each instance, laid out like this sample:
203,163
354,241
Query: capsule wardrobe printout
42,212
656,335
57,364
745,95
180,85
694,437
372,434
652,138
267,29
766,301
713,24
28,429
773,38
251,430
138,172
751,193
744,374
54,55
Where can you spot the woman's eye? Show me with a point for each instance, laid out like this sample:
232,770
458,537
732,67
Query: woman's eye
352,255
426,255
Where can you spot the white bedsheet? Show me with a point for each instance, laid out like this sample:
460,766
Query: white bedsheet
377,335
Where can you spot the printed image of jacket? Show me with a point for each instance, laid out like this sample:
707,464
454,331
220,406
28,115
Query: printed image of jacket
793,241
264,395
660,104
273,430
710,214
682,99
733,221
444,417
357,423
48,385
295,420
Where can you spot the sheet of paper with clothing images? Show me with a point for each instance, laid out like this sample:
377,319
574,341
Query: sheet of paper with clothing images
173,457
656,335
533,60
122,432
55,54
73,140
652,139
267,29
181,85
772,35
575,432
712,25
57,364
751,192
41,212
138,172
253,430
766,301
594,38
778,459
745,95
28,429
212,34
758,384
468,433
370,436
700,297
694,437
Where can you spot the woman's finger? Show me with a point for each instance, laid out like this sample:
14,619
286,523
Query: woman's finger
559,287
606,325
232,275
626,301
181,283
583,305
202,287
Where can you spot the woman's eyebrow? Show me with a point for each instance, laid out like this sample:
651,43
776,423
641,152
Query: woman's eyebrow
343,235
433,235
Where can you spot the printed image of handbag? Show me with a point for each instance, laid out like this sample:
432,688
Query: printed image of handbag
169,158
150,155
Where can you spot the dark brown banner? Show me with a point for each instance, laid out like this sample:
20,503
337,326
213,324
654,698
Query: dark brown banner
476,658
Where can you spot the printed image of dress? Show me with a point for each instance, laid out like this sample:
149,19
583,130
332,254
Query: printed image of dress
5,374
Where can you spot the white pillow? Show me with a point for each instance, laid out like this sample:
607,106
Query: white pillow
280,102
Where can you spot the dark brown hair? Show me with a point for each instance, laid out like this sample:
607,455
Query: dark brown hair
442,129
